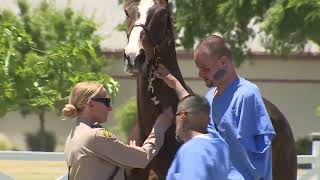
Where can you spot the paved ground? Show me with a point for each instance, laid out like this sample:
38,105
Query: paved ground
33,170
28,170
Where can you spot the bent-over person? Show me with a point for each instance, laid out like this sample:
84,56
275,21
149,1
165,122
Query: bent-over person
203,156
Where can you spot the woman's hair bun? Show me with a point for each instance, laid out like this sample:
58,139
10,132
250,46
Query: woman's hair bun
69,111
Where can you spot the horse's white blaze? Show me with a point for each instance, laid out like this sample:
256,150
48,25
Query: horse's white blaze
134,45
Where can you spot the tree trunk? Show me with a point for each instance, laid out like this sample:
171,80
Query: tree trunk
42,134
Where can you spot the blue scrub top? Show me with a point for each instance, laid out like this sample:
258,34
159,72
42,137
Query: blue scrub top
204,157
240,117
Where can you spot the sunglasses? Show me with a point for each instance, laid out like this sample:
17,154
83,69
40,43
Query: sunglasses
106,101
185,113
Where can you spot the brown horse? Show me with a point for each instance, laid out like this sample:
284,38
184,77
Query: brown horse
150,41
284,156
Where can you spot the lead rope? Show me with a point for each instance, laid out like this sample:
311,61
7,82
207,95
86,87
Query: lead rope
152,77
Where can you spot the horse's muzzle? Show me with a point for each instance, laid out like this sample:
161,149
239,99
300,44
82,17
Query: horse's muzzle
135,64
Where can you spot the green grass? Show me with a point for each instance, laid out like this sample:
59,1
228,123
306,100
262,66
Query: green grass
33,170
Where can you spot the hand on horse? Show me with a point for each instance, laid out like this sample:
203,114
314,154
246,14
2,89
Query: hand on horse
132,143
165,119
163,73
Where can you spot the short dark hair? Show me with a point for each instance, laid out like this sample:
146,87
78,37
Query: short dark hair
196,105
214,46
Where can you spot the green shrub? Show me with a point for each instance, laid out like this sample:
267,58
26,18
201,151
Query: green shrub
304,146
5,143
33,141
126,115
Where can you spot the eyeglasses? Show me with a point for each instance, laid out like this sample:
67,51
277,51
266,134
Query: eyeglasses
106,101
185,113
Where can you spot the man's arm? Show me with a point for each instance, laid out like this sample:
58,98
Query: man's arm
164,74
255,131
113,150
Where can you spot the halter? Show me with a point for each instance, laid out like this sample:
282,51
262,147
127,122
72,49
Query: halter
154,61
156,50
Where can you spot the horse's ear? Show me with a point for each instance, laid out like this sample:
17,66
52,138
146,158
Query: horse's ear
164,1
130,3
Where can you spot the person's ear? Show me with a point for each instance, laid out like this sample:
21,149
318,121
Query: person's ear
90,103
224,61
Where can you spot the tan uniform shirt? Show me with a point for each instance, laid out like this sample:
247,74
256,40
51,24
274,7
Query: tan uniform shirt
93,154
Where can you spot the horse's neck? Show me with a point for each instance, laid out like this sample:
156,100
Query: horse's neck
168,58
172,63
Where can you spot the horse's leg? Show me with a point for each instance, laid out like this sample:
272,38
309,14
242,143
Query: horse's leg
136,174
284,156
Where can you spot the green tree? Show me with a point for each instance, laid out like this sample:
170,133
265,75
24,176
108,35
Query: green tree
44,53
13,39
286,25
290,24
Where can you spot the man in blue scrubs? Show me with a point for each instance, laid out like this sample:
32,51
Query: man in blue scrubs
237,109
203,156
238,112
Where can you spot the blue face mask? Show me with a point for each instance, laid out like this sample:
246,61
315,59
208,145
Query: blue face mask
218,76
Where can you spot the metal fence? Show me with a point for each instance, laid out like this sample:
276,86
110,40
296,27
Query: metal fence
313,159
313,173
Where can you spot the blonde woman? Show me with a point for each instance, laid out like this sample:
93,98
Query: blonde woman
93,153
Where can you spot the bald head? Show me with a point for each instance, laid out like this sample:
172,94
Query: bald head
213,46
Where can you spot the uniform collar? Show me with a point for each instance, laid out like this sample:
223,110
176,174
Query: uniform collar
203,136
231,87
85,120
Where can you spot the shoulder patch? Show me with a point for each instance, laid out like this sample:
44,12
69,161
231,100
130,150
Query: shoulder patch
106,133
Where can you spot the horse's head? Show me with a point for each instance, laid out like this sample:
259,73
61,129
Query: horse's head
147,23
